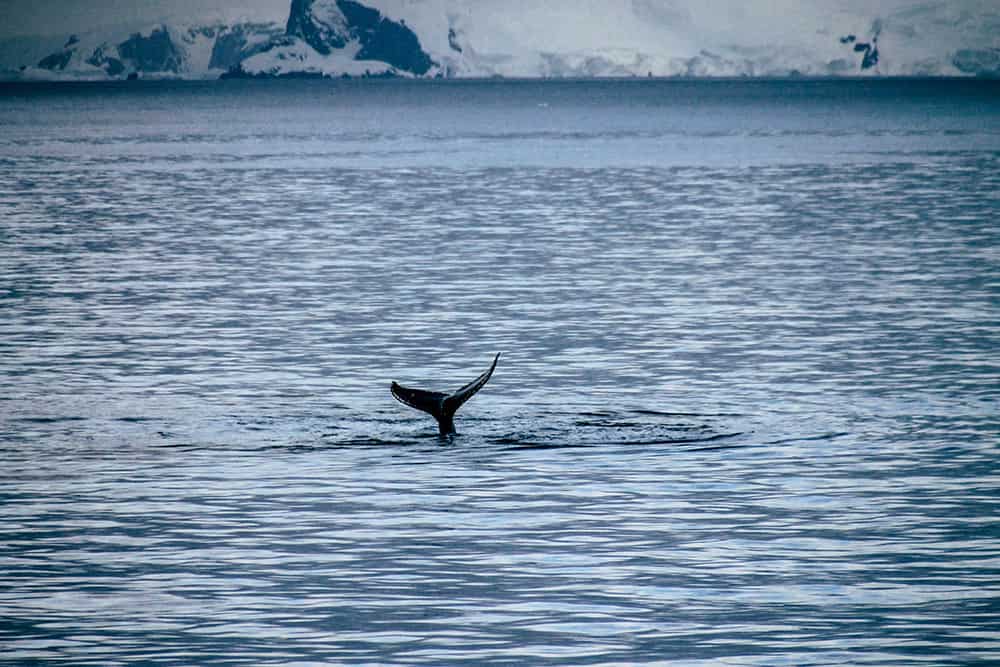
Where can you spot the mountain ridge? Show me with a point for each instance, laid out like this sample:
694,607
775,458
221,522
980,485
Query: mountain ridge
333,38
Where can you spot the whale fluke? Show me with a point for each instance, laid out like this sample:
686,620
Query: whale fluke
439,405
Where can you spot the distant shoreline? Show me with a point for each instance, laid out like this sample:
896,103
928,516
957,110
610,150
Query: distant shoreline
401,80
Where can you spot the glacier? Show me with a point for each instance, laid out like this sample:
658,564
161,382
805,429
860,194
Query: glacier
528,38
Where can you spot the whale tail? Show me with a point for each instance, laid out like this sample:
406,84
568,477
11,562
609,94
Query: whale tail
439,405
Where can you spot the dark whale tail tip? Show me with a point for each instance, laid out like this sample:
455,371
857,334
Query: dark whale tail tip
439,405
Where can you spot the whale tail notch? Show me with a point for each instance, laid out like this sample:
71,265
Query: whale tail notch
439,405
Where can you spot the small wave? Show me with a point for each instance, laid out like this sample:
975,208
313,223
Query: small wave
514,443
48,420
809,438
659,413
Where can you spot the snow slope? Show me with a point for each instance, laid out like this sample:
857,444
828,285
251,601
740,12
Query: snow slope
546,38
699,37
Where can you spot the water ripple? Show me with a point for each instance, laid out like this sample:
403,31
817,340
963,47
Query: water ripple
746,411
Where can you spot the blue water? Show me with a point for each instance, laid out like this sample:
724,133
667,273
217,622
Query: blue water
746,412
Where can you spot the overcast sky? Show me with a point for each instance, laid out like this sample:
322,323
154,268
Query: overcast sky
57,17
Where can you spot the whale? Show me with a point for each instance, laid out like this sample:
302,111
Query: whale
440,405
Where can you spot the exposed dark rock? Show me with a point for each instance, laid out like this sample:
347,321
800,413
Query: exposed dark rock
155,53
869,49
317,32
386,74
60,59
453,40
383,39
871,57
301,75
237,72
323,25
359,17
114,67
56,61
110,64
326,25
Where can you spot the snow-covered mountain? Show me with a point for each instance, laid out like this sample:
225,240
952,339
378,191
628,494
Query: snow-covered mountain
162,51
551,38
339,37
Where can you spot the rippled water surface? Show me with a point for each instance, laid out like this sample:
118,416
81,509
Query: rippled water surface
746,411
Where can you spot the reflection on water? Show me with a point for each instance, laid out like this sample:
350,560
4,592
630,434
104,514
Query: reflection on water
746,411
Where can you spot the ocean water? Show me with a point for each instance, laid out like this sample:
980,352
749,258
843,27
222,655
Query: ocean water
746,411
